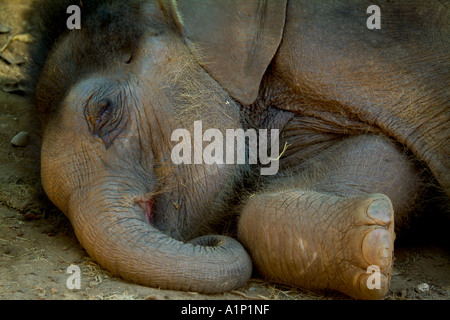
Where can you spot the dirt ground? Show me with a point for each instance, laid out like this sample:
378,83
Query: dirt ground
37,243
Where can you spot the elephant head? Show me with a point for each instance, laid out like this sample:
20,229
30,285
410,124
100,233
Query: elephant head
110,95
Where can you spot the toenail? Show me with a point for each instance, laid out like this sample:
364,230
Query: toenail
373,286
377,248
380,210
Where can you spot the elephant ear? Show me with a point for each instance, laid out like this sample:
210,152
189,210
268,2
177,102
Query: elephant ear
233,40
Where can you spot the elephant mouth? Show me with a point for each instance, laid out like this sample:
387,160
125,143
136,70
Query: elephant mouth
147,205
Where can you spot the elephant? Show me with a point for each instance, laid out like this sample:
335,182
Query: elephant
362,117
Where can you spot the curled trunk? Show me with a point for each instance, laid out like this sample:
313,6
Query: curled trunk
128,246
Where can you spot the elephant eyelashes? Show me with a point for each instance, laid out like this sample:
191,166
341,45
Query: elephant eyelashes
104,112
103,120
130,58
97,114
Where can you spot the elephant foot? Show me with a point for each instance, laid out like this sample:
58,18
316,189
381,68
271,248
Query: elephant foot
319,241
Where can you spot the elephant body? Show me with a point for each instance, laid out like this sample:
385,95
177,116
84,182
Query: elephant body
362,116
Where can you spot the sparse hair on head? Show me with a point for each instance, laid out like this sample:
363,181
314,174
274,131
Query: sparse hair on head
110,25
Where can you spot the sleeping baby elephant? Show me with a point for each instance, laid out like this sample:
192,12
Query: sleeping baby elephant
358,117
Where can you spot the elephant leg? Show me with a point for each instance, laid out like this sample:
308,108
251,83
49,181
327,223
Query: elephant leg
324,226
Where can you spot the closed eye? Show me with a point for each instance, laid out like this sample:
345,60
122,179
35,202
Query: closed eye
98,114
104,109
129,59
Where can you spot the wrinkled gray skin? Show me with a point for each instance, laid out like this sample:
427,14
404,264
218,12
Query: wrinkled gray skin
357,108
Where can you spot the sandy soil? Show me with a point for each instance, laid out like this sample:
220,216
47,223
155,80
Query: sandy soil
37,243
